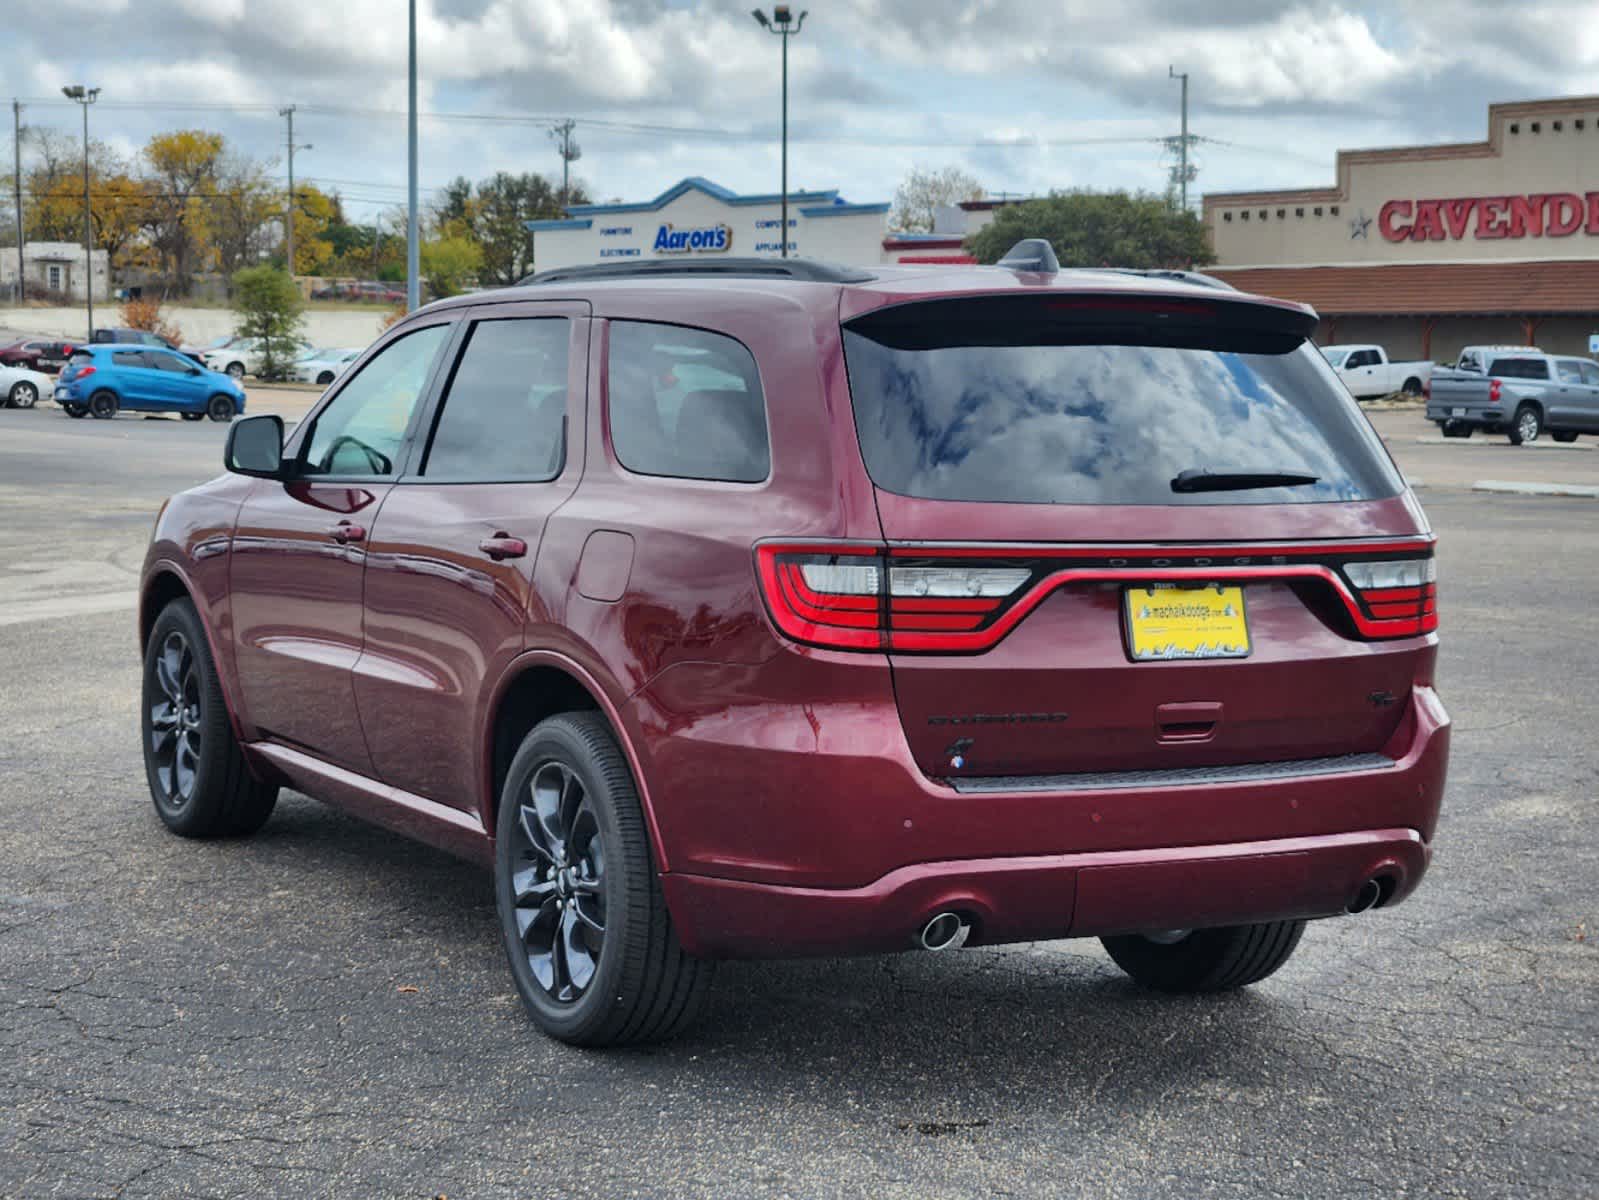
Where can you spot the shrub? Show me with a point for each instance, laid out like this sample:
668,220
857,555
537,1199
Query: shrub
270,308
147,315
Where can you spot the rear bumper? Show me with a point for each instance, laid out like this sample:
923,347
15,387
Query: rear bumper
1050,896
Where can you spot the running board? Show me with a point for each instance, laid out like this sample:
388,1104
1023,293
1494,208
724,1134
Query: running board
1169,777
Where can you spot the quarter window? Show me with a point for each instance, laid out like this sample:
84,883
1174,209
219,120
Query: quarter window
685,403
1520,368
362,430
504,413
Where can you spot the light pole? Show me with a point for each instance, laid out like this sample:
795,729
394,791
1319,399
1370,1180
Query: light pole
783,24
86,96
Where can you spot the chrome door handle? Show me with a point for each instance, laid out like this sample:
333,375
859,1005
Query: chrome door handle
502,546
346,531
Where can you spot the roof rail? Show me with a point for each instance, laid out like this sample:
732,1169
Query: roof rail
809,269
1031,254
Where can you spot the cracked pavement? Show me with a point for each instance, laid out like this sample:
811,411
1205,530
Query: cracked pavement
235,1018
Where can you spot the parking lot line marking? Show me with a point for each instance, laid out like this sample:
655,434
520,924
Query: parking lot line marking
1515,488
1473,444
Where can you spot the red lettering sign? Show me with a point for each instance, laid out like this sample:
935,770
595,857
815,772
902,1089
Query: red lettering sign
1593,214
1429,226
1563,215
1459,214
1526,216
1400,208
1489,210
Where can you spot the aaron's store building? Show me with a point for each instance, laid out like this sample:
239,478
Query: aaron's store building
1426,249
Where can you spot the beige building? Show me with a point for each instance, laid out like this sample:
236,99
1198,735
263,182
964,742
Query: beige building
1429,248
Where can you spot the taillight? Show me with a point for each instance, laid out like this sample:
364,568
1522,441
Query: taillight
83,373
850,598
1426,389
1401,595
1493,391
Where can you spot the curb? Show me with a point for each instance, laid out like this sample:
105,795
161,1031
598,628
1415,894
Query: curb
1513,488
1473,444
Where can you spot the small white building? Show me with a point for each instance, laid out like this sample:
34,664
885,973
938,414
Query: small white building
697,218
57,266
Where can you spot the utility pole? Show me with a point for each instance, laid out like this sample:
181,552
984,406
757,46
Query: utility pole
85,97
288,212
569,151
16,150
1184,171
783,24
413,247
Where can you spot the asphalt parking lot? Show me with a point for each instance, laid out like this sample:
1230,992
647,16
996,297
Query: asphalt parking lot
324,1010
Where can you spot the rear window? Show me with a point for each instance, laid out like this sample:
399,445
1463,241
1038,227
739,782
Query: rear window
1040,414
1520,368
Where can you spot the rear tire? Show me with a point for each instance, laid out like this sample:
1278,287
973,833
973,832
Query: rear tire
198,779
1207,960
76,412
219,408
590,942
1564,437
103,405
23,394
1412,387
1526,425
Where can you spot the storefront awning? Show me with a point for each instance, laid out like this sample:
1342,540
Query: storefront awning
1429,289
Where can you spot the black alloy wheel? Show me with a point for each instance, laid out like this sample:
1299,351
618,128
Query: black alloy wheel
103,405
24,394
175,726
559,887
219,408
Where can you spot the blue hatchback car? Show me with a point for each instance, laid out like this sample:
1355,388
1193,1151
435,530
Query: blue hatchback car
99,380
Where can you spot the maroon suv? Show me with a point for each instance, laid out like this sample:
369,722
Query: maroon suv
781,609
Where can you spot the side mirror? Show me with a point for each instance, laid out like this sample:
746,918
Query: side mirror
255,447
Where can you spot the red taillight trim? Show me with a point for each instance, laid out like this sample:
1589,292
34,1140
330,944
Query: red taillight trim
1494,387
949,624
83,372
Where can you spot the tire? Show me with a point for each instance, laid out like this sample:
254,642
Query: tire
1455,429
325,378
103,405
235,370
1564,437
219,408
1526,426
1412,387
587,860
77,412
23,394
1207,960
198,779
190,416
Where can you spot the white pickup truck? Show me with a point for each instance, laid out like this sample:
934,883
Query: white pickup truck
1367,371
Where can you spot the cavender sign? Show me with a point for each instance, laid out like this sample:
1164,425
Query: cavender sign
1546,214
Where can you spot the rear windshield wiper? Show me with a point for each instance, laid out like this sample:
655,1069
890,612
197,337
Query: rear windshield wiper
1197,479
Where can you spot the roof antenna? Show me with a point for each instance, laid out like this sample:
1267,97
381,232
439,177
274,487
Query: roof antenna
1032,254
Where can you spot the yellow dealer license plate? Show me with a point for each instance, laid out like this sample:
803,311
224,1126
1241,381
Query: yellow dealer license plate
1168,622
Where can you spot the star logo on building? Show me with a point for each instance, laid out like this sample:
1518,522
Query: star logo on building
1359,226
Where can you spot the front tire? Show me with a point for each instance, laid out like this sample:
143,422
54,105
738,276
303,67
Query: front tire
1565,437
23,394
590,942
1526,426
103,405
235,370
219,408
325,378
1206,960
76,411
192,416
196,771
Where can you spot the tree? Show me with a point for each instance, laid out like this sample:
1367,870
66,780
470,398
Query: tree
450,263
269,307
182,172
925,191
314,211
1099,229
494,214
233,225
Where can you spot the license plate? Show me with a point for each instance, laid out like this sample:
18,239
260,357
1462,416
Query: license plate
62,393
1457,412
1170,622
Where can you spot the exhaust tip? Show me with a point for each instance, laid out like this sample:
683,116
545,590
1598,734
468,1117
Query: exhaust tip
1370,893
946,931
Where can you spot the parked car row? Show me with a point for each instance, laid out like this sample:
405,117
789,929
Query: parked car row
370,290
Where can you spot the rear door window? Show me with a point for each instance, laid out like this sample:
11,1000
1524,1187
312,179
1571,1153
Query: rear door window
1026,410
129,358
1520,368
1590,374
164,360
504,414
685,403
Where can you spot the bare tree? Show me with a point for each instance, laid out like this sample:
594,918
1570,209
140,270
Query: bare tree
924,191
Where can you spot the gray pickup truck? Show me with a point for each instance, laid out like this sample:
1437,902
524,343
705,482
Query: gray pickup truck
1516,390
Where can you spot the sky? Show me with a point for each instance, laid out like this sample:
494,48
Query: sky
1027,96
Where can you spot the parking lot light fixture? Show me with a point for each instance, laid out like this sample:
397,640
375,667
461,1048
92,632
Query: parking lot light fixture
85,97
785,26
